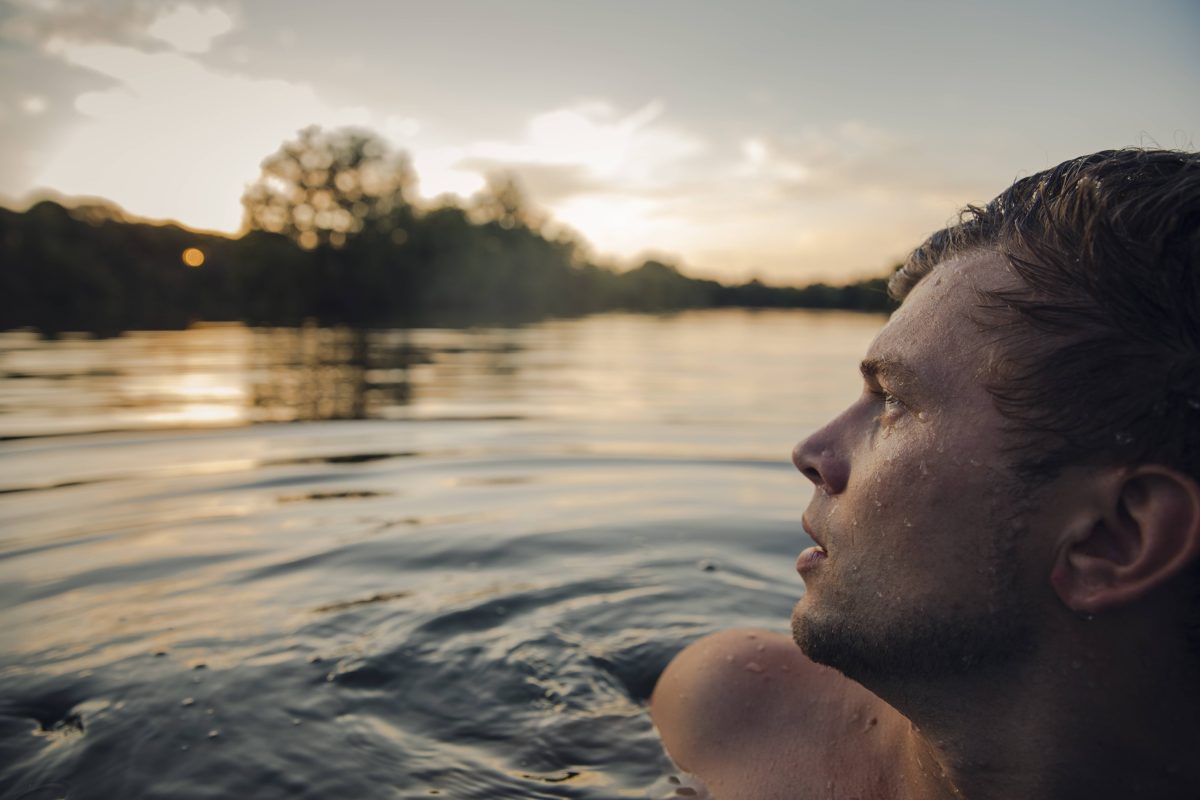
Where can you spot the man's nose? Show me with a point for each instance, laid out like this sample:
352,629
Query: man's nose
819,460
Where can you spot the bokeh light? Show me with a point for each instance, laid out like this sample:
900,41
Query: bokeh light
193,257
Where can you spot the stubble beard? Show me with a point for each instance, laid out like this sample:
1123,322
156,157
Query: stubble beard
881,641
924,646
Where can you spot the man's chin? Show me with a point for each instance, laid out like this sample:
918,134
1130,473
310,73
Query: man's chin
914,648
809,632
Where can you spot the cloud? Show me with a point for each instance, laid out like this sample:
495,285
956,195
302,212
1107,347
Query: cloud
190,29
138,23
174,139
587,148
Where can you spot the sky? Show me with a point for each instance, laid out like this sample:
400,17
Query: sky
783,140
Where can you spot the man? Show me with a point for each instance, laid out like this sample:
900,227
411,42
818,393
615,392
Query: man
1004,596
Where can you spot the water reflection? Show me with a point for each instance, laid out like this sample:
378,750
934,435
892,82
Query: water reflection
315,373
602,368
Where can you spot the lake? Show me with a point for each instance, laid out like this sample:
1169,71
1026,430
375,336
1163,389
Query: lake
397,564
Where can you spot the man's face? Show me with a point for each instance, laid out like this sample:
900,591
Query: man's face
915,504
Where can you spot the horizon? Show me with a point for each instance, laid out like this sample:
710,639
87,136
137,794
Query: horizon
788,143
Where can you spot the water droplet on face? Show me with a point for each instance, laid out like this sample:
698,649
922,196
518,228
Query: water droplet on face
922,416
753,666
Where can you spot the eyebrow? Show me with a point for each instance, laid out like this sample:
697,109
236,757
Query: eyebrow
889,369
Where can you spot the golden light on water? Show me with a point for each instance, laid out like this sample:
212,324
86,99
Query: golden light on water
193,257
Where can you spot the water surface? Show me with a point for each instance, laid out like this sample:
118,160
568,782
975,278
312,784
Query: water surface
313,563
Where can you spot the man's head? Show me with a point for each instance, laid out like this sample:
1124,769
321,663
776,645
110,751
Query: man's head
1051,384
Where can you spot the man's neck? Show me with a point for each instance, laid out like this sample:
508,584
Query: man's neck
1078,728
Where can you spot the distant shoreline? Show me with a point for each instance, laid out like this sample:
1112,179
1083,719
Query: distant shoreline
92,269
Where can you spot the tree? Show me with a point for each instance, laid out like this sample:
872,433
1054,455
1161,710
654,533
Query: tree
325,187
503,201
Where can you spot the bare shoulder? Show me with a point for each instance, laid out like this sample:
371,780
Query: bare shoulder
752,716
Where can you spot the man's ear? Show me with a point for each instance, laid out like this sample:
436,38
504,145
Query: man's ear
1144,531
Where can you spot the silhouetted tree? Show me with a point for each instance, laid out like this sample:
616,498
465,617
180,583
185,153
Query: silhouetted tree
503,201
325,187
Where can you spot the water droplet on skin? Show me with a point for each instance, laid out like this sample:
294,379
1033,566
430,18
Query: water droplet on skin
922,416
924,468
753,666
761,648
187,701
213,734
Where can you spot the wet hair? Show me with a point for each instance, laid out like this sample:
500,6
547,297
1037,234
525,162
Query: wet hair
1098,357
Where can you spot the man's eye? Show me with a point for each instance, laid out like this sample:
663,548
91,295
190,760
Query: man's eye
892,404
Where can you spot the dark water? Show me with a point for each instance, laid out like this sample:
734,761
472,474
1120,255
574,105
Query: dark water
457,572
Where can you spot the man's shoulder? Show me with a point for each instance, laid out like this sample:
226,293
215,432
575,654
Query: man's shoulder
722,690
745,708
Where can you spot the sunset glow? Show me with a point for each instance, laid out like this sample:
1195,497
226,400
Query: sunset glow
761,142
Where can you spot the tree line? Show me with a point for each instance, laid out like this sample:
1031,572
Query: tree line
333,236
